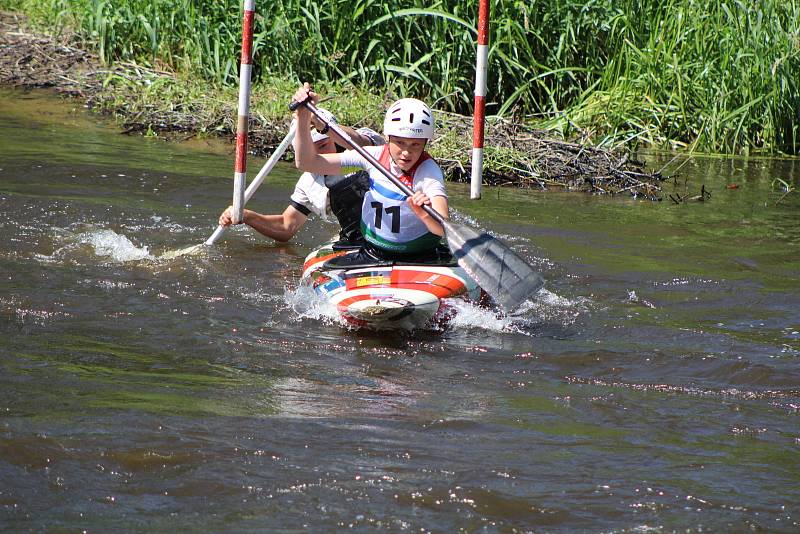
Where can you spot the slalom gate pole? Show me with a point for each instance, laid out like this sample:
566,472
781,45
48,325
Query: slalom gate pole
245,70
481,66
259,179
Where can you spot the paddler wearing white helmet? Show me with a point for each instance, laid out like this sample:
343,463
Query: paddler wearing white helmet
394,226
327,196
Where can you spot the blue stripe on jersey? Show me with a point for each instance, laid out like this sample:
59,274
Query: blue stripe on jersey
386,192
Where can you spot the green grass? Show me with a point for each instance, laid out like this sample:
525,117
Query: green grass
709,76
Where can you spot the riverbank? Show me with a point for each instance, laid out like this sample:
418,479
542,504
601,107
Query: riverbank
173,106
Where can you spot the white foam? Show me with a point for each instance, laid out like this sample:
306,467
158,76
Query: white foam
305,302
545,306
470,315
633,297
550,307
119,248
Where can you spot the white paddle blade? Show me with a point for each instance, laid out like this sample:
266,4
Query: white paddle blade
172,254
506,277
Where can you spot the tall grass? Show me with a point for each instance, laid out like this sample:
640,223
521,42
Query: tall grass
715,76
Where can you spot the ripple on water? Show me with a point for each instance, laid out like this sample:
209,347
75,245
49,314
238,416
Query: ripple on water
788,399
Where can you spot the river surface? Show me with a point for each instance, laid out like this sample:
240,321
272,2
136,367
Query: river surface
653,386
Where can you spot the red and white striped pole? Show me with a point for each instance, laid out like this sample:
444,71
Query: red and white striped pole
481,65
245,69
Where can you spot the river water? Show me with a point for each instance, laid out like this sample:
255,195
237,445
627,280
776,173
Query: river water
654,385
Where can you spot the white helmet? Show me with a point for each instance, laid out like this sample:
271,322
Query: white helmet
409,117
328,116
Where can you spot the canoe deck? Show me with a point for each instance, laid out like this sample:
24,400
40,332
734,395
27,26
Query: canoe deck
387,295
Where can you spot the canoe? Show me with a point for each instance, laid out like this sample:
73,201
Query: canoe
387,295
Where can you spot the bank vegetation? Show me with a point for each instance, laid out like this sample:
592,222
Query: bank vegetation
594,75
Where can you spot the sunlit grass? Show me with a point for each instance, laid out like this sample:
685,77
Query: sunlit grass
710,76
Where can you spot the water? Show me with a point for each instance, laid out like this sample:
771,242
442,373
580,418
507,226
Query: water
652,386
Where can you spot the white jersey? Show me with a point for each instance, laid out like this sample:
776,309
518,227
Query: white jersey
375,138
311,196
310,193
387,221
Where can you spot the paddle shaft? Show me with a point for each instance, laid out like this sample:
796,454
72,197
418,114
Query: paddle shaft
367,156
259,179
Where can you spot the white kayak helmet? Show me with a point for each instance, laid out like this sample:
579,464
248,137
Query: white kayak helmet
320,135
409,117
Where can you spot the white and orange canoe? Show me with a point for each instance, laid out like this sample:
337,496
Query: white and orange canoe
388,295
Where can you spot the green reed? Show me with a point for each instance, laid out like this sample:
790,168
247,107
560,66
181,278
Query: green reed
712,76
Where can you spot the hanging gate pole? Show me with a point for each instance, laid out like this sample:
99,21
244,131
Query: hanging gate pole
245,69
481,65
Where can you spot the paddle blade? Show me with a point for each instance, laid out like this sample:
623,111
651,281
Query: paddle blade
172,254
506,277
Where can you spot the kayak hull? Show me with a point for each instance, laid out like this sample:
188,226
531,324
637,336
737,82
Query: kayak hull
387,296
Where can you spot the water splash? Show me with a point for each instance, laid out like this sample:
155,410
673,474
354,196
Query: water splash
544,307
95,243
118,247
466,314
550,307
463,218
160,224
306,304
634,298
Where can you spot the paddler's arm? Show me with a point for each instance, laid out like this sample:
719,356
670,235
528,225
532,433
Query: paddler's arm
306,157
281,228
438,203
357,138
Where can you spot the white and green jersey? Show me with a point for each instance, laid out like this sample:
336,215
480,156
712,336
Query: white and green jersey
387,221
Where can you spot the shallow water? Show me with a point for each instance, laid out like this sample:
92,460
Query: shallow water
653,386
